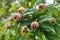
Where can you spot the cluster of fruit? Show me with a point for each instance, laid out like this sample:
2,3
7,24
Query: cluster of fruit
34,25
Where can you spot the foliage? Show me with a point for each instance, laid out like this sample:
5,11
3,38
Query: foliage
46,30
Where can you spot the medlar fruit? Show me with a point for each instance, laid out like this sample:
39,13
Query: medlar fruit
34,25
17,17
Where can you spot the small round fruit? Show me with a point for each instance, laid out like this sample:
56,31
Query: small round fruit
7,25
53,21
41,6
34,25
24,29
21,9
10,18
17,17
